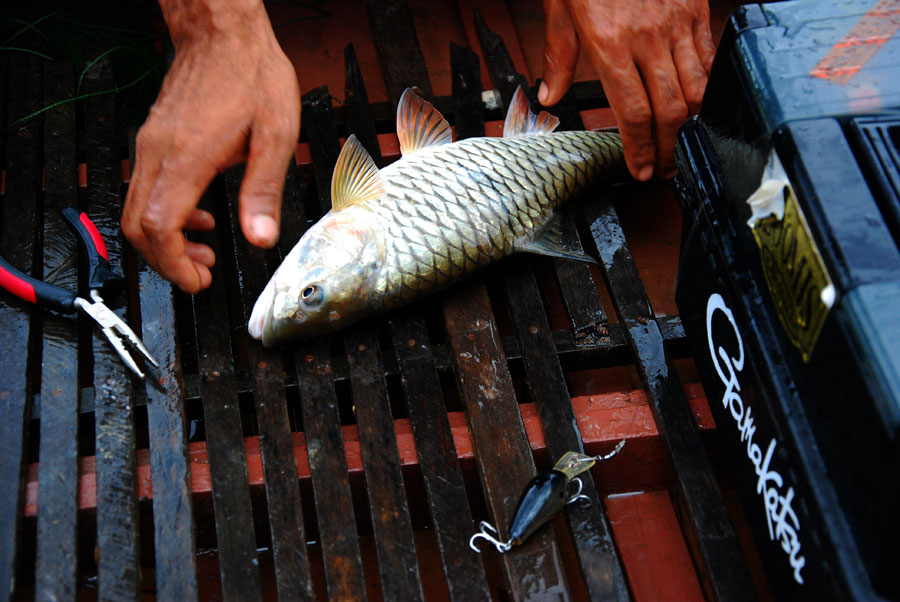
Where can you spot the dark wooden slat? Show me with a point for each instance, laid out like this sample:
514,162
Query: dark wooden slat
344,577
394,543
713,532
117,568
324,144
174,534
20,225
600,564
57,512
238,563
576,283
500,66
398,49
292,576
534,571
173,525
357,112
451,517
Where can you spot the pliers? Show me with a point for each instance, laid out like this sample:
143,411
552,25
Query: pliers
100,275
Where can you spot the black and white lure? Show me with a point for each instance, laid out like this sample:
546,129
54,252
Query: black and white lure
543,496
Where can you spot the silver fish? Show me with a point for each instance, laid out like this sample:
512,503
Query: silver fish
442,211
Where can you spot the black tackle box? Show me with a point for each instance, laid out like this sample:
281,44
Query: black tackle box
789,285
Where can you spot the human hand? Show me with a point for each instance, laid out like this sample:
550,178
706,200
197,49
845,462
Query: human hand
230,95
653,58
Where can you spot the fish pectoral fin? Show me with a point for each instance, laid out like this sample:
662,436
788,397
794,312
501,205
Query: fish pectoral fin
550,243
419,124
356,177
520,121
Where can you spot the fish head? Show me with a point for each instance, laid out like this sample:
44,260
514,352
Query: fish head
324,283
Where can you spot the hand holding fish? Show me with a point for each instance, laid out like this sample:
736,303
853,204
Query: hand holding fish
653,58
230,95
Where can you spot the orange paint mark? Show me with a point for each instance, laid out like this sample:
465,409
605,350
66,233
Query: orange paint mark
603,420
863,40
82,175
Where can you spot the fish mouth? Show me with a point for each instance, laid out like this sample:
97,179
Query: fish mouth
261,317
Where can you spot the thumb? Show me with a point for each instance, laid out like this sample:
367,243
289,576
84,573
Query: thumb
262,187
560,53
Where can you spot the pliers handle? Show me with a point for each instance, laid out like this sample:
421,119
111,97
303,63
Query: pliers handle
100,273
100,276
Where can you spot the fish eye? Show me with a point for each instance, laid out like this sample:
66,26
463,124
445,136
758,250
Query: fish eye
311,294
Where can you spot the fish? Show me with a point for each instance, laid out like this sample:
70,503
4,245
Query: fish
442,211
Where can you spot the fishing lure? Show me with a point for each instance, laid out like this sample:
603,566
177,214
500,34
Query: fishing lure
543,496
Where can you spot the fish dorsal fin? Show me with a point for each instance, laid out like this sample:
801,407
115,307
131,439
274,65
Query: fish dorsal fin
419,124
550,243
520,121
356,177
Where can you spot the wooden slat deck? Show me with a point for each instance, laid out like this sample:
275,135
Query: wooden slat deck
351,467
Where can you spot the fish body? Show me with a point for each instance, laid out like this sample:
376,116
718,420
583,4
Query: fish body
441,212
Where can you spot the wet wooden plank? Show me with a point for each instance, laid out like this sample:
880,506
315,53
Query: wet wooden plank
576,283
450,513
402,63
344,577
394,543
236,541
20,222
118,562
57,513
292,575
697,488
174,535
590,531
505,463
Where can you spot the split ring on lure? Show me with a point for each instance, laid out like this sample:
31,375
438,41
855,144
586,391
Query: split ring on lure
543,496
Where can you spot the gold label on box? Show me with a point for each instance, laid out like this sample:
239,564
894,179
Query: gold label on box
798,281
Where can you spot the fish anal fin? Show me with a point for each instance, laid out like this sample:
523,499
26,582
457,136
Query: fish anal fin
419,124
550,243
356,177
520,121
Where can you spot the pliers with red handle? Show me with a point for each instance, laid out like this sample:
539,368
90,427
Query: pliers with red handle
100,275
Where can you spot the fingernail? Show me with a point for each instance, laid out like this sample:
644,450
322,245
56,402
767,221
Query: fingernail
542,93
264,228
646,173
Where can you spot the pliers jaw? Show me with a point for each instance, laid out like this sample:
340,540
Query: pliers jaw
114,328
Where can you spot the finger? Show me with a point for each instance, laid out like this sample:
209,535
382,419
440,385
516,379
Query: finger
173,200
200,220
200,253
703,41
148,159
691,73
260,197
669,107
630,104
560,53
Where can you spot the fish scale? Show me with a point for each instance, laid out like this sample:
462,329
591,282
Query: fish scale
489,194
